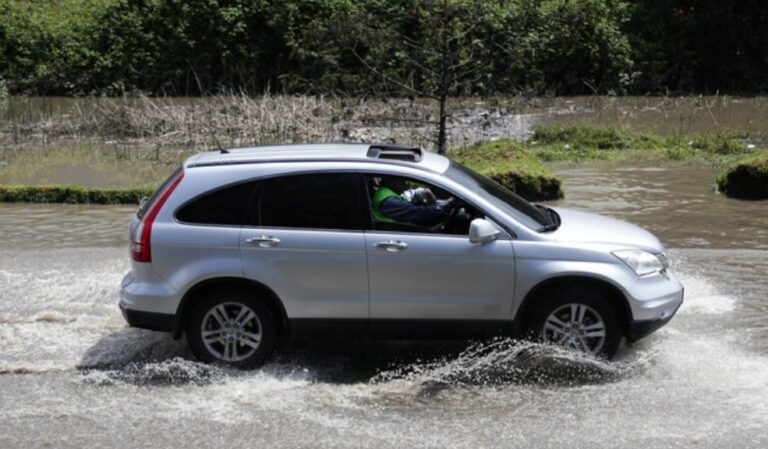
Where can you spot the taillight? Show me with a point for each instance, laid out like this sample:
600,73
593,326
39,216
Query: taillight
141,250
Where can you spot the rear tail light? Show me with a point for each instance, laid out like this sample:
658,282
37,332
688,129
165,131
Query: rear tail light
141,249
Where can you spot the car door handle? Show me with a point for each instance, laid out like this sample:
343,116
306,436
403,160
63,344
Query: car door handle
391,245
263,241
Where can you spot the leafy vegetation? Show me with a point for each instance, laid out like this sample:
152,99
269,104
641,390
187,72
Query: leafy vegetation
189,47
72,194
747,179
514,167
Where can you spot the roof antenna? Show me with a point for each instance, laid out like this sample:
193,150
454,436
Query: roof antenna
216,141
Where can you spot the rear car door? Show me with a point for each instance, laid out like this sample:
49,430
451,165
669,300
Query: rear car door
305,241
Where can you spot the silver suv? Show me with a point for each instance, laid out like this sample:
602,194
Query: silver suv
242,248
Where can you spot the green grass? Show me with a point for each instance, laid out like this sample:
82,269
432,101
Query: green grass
513,166
581,137
578,143
746,179
72,194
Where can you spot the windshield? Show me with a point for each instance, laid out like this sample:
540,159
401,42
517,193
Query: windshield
501,197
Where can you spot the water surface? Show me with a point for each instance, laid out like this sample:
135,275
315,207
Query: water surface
74,376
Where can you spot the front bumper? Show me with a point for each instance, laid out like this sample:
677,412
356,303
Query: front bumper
643,328
655,297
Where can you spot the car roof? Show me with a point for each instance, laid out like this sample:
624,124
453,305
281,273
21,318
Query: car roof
375,153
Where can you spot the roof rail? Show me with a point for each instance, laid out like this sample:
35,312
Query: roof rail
394,152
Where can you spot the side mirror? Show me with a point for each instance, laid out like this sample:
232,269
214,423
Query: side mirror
482,231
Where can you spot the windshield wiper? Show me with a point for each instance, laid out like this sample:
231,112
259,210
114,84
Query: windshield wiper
554,219
549,227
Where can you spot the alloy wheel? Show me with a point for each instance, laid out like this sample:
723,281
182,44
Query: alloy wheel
575,326
231,331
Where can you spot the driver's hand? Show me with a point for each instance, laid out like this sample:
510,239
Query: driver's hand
429,197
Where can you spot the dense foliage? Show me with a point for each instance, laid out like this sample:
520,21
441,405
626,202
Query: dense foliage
178,47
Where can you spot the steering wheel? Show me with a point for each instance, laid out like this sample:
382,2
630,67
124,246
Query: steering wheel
443,224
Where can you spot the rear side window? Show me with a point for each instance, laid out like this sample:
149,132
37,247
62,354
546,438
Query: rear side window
315,201
225,206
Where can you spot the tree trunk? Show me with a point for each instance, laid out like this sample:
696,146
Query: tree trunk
441,134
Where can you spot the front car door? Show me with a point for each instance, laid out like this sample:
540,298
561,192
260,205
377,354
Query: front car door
420,277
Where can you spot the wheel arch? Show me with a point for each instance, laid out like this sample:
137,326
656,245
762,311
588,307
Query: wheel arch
603,287
195,292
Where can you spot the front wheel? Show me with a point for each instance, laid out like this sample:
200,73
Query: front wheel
577,319
232,327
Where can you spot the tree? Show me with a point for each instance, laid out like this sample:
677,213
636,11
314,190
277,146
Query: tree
429,48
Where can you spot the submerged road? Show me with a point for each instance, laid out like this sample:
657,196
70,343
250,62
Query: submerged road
72,375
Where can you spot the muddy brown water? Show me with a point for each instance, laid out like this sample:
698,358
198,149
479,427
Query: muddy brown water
74,376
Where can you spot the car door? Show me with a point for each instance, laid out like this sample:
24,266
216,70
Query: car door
306,243
438,276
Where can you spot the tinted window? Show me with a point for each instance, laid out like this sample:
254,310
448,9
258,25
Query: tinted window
226,206
318,201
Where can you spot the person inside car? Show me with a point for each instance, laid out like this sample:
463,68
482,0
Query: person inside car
411,206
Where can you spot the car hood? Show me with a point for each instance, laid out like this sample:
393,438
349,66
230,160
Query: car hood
577,226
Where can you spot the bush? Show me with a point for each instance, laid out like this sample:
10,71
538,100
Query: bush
512,166
72,194
747,179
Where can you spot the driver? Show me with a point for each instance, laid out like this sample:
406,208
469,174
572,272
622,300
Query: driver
390,207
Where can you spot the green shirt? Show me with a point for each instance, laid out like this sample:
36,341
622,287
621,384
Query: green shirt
379,197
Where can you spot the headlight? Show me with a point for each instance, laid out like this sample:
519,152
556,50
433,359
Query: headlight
641,262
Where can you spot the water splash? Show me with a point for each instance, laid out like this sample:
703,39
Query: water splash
505,361
171,372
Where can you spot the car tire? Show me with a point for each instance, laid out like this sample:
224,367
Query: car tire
577,318
232,327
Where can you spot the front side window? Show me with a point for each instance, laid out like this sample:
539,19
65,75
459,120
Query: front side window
313,201
405,204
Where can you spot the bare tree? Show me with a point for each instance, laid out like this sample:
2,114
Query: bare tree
430,48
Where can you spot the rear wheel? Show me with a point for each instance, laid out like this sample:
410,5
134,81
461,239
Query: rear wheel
232,327
578,319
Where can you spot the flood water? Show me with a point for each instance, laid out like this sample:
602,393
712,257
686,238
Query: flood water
72,375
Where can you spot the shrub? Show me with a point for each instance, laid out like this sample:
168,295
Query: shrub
747,179
72,194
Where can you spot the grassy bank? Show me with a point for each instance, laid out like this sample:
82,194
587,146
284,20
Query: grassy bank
747,179
746,176
511,165
578,143
120,144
